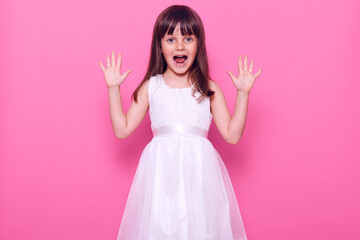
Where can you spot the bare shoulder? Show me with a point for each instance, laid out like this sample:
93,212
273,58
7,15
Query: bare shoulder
214,86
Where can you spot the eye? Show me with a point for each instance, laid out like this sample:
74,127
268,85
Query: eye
189,39
170,40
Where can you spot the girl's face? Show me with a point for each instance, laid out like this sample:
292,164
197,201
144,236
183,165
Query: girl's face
179,51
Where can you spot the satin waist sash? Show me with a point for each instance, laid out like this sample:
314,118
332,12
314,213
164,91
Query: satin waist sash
180,129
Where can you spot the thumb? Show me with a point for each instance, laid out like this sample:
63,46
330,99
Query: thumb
127,73
231,75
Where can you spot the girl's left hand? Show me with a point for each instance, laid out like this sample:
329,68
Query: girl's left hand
246,79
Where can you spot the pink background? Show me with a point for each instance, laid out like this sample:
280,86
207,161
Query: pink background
63,173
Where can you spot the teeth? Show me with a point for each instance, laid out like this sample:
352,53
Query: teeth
180,56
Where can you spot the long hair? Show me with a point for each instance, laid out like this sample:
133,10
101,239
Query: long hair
190,23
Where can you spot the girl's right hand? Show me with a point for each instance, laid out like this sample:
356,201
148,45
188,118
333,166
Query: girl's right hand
112,74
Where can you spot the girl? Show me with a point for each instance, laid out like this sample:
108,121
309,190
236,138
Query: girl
181,188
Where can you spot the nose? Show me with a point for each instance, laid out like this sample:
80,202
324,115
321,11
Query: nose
180,45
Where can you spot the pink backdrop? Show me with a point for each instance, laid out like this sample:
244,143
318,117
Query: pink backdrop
63,173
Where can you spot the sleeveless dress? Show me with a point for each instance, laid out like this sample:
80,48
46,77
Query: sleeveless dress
181,189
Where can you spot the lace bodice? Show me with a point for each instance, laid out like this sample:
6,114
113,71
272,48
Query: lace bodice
168,106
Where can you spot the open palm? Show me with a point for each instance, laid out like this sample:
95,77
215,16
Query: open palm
112,74
246,79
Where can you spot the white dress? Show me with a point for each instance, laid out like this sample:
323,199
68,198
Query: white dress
181,189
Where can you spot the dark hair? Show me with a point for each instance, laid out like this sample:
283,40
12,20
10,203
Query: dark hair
190,23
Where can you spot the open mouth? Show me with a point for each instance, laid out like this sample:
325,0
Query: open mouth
180,59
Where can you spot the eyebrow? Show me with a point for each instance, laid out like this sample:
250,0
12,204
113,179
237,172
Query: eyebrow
186,35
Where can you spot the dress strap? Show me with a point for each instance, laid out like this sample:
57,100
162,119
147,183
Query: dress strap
180,129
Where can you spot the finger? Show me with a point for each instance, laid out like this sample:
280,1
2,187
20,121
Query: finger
241,69
251,66
108,60
118,63
258,73
127,73
245,63
102,67
113,59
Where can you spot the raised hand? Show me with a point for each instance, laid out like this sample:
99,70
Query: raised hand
246,79
112,74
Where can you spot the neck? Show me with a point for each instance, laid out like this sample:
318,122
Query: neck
181,79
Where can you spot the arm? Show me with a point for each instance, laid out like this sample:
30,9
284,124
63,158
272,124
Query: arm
123,124
232,127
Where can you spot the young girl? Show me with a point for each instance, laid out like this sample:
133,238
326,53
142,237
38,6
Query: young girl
181,188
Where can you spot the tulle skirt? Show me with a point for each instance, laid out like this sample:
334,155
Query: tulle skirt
181,191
